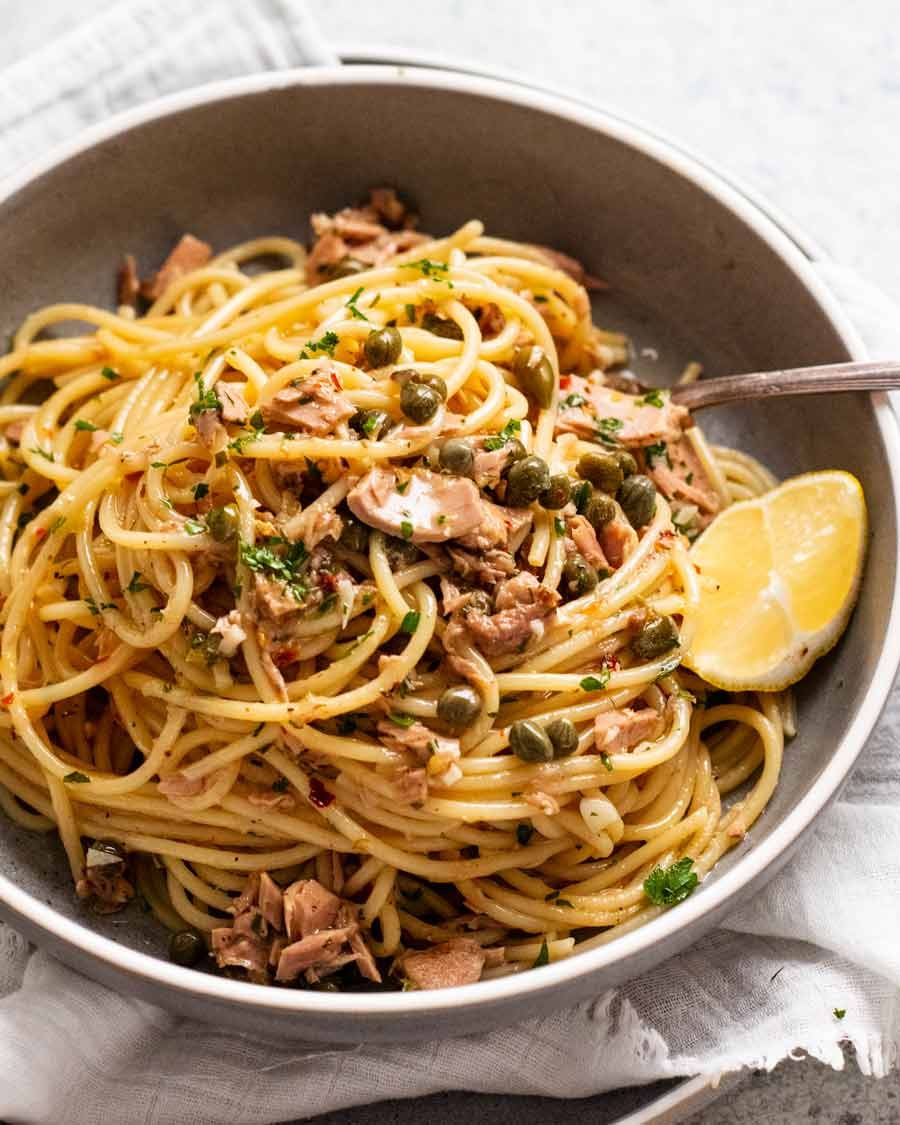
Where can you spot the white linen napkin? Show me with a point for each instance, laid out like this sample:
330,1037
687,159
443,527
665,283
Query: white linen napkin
823,935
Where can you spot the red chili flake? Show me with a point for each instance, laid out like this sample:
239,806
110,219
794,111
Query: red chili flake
318,794
7,700
285,656
564,381
329,581
611,662
40,533
336,381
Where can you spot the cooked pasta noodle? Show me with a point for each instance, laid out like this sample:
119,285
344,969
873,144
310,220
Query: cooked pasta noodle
224,653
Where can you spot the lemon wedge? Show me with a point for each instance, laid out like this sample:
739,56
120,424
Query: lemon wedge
780,575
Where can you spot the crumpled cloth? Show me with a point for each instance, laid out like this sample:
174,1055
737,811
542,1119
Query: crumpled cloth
822,936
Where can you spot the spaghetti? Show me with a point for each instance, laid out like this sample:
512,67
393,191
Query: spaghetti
347,598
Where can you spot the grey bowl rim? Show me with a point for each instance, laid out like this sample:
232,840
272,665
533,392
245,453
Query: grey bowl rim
38,917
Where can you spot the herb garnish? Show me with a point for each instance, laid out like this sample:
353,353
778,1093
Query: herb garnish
653,398
206,399
667,886
351,305
136,585
508,433
595,683
438,271
76,777
108,373
284,566
401,720
543,958
410,622
81,424
325,345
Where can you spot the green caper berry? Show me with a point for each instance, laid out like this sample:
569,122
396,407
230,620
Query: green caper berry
563,736
354,535
419,402
656,637
222,523
638,499
529,742
626,461
602,470
347,267
535,374
383,346
441,326
526,480
459,707
579,576
187,948
406,375
556,494
371,424
599,511
457,457
515,452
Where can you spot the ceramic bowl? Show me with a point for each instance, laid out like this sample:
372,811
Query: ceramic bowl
697,272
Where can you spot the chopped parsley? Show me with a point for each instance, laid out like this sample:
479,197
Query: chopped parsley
57,524
508,433
607,762
41,453
116,437
581,493
406,529
81,424
159,464
609,426
96,609
573,399
109,374
543,958
595,683
325,345
437,271
283,565
370,424
136,585
200,490
667,886
206,399
76,777
839,1013
653,398
524,832
281,785
410,622
656,451
559,525
401,486
401,720
351,305
410,311
194,527
238,444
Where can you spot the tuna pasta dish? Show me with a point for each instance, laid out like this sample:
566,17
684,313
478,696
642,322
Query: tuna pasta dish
349,601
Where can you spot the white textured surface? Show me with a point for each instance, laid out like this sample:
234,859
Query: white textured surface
800,102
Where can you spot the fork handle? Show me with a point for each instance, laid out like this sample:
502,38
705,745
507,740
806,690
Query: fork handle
829,379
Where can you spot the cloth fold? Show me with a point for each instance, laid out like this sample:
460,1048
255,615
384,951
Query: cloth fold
822,937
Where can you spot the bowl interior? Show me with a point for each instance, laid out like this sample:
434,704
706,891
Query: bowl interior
690,279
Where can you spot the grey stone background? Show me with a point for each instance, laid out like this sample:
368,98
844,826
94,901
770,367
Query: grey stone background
800,99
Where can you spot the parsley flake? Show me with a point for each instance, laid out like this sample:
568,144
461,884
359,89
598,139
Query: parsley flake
608,426
81,424
194,527
401,720
351,305
653,398
839,1013
437,271
281,785
406,529
136,585
607,762
543,958
76,777
508,433
323,346
667,886
410,622
109,374
595,683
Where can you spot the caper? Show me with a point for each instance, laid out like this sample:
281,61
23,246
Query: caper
626,461
222,523
599,511
187,948
535,374
602,470
413,375
459,707
354,535
419,402
441,326
515,452
526,480
579,576
457,457
638,499
529,742
383,346
556,494
372,424
657,636
563,736
347,267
